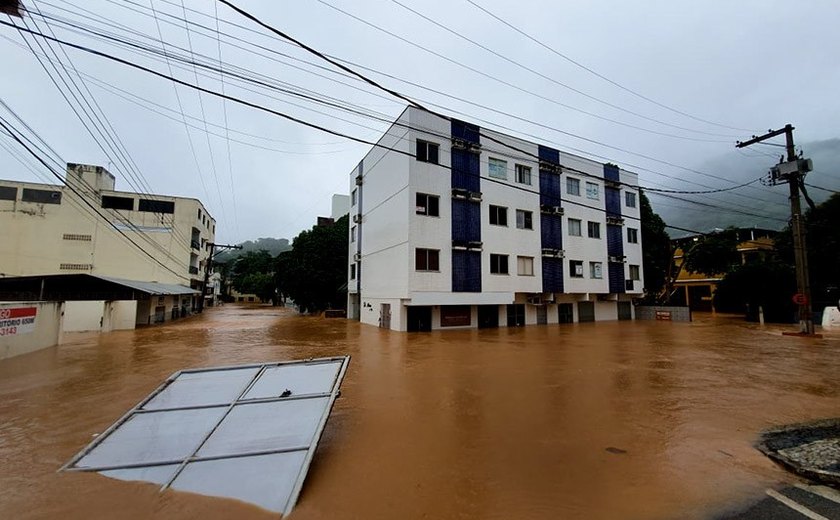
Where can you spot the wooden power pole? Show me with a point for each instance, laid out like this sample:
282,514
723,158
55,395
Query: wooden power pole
793,171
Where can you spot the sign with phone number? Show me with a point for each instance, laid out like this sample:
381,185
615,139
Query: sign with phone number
17,320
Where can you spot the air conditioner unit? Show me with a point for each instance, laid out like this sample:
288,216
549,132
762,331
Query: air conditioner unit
357,218
460,193
535,300
357,257
474,196
616,258
557,210
615,221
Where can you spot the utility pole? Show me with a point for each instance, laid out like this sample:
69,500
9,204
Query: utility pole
793,171
208,268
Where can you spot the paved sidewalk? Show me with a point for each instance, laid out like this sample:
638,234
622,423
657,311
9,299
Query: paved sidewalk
811,450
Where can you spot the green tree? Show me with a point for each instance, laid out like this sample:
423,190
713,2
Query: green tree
822,232
715,253
656,249
253,273
314,272
768,284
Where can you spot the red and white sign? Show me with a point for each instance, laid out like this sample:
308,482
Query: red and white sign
17,320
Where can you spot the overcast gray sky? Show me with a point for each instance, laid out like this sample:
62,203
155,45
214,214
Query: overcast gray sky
746,66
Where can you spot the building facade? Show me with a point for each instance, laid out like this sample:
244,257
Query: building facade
697,290
453,225
53,229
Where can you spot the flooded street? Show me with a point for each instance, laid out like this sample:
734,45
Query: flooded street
594,420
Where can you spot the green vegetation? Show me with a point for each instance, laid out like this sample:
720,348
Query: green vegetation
822,232
656,249
312,272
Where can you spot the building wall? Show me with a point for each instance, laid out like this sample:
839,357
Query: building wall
120,315
68,237
45,332
81,316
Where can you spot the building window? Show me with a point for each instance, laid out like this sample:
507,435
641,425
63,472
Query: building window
591,191
41,196
572,186
156,206
524,219
353,234
497,168
632,235
574,227
525,265
199,209
634,272
523,174
126,203
353,197
428,205
630,199
352,271
595,270
576,268
427,152
498,264
8,193
593,229
426,259
498,215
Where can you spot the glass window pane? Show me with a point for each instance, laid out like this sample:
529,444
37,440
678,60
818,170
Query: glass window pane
266,426
154,437
315,379
265,480
203,388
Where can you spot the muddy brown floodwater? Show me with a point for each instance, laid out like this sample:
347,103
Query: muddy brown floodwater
597,420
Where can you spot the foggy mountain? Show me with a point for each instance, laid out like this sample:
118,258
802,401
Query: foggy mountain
752,206
274,246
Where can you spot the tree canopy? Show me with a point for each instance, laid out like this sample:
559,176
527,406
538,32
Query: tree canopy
715,253
314,272
822,232
656,248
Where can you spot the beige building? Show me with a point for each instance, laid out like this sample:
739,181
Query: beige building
54,229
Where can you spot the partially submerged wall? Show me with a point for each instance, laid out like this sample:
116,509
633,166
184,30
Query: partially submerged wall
663,313
29,326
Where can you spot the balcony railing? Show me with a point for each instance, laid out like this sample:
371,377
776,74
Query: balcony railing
193,270
195,244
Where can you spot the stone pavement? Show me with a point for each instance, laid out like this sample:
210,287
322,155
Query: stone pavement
808,449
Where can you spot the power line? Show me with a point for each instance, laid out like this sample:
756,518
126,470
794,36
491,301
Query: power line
481,106
597,74
555,81
513,85
224,112
252,105
204,119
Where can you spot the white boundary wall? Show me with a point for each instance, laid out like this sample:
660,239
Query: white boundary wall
20,338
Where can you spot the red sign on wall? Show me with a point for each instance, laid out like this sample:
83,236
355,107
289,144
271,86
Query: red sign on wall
17,320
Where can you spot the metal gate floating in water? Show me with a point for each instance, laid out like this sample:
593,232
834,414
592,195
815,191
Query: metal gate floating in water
246,432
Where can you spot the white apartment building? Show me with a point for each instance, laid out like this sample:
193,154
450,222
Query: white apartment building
52,229
453,225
